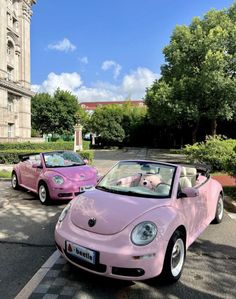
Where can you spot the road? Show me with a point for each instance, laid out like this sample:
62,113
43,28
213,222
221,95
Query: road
26,242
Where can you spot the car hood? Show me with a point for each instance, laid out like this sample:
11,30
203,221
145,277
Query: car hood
76,173
113,212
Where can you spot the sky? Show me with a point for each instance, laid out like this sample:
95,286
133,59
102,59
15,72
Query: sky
105,50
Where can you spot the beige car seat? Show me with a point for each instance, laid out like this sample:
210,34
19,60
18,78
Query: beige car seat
184,181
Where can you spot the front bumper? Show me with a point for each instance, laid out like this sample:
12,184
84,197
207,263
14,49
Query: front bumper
69,191
126,261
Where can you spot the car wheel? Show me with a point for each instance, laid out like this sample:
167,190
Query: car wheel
43,194
174,258
219,210
14,181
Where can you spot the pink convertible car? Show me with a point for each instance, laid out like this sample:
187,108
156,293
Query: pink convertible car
139,220
54,175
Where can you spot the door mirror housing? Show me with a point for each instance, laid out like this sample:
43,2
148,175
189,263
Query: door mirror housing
37,165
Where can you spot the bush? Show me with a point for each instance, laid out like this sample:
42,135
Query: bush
216,151
12,156
89,155
45,146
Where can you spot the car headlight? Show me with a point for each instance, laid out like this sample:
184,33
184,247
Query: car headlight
57,179
144,233
64,213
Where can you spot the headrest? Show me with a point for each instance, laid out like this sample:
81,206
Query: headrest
191,171
183,171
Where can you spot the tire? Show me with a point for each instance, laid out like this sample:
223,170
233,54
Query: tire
174,258
219,210
14,181
43,194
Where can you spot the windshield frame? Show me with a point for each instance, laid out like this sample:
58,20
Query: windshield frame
131,192
80,161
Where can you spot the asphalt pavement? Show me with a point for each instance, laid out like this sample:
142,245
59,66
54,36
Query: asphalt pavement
26,243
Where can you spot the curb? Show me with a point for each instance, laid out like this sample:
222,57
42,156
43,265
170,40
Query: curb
230,205
38,276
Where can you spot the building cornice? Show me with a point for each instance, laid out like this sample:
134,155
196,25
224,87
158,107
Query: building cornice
30,2
16,89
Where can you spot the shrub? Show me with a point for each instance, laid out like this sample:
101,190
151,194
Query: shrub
12,156
45,146
89,155
216,151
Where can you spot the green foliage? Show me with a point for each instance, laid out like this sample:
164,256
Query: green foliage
55,114
116,124
46,146
37,146
216,151
12,156
89,155
198,79
107,123
5,174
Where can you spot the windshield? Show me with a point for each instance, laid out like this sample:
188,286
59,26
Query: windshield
62,159
139,179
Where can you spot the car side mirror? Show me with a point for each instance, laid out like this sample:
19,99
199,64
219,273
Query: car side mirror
86,161
36,165
188,192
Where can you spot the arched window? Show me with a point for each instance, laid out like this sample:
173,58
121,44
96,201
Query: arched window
10,49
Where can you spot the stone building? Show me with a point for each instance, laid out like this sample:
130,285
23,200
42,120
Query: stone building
15,92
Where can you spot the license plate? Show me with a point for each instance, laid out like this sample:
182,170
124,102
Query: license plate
81,252
85,188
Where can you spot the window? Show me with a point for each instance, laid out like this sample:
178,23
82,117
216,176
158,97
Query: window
10,76
10,130
10,105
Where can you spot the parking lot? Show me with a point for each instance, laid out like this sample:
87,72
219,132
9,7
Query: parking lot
26,243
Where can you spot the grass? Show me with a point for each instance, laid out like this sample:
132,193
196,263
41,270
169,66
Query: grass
4,174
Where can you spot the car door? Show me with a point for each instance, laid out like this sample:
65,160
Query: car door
33,172
195,209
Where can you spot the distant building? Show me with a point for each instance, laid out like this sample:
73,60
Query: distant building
15,92
91,106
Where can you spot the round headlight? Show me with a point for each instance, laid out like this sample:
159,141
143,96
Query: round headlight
64,213
57,179
144,233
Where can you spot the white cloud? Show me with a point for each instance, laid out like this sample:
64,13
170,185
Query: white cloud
111,64
64,46
133,86
83,60
64,81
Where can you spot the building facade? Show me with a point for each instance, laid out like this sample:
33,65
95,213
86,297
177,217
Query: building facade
15,91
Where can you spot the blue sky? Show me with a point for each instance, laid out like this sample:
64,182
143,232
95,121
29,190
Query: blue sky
105,50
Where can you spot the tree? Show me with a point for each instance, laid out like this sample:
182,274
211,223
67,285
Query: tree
198,79
54,114
106,122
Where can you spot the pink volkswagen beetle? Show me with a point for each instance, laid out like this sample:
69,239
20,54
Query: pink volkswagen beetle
139,220
54,175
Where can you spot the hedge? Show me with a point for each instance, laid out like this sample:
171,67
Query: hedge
217,151
45,146
12,156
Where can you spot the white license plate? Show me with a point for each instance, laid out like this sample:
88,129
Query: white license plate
85,188
81,252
